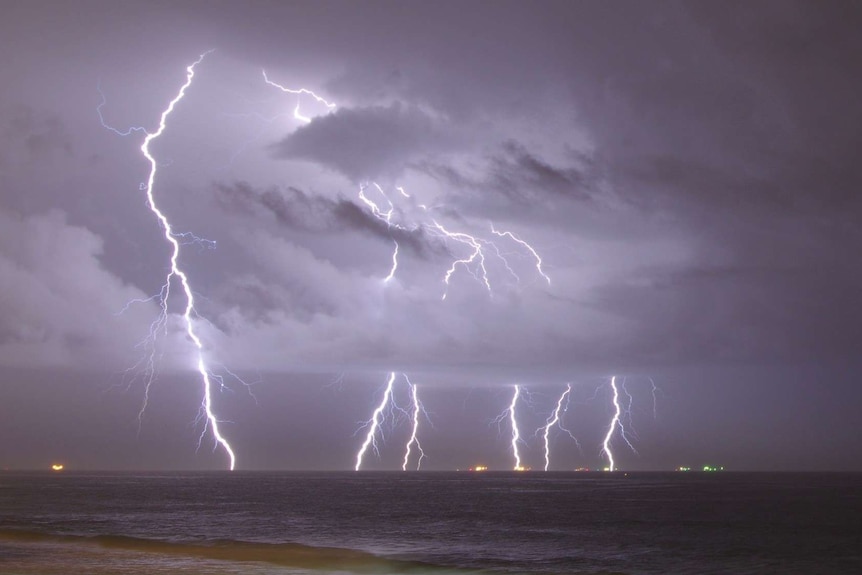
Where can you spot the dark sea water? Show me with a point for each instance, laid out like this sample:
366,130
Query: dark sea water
282,523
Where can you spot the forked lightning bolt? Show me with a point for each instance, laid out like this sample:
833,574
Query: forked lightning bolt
211,421
388,404
385,217
418,410
474,262
509,413
476,257
479,252
616,422
299,92
556,419
478,248
626,423
528,247
394,264
373,424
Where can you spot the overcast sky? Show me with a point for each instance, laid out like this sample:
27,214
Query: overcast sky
688,174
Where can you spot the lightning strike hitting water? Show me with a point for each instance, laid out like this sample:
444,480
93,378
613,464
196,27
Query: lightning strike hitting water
555,419
509,412
655,390
373,424
626,421
389,404
418,410
176,273
616,421
606,444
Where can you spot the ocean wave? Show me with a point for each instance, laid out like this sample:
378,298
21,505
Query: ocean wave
293,555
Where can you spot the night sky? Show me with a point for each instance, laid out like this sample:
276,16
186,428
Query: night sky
688,173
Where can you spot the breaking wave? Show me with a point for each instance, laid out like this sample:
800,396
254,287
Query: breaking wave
294,555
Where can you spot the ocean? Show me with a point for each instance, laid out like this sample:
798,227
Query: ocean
265,523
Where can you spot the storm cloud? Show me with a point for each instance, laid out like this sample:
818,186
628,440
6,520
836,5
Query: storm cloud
685,172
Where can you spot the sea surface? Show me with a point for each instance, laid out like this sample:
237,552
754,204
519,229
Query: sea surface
494,523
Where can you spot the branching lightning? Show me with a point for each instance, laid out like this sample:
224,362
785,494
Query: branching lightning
626,422
509,413
299,92
418,410
478,254
385,216
606,444
373,424
388,404
474,263
528,247
616,422
556,419
394,264
211,422
477,257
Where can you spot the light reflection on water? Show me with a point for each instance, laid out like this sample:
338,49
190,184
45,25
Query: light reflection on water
258,523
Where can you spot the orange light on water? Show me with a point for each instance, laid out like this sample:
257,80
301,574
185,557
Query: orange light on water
57,467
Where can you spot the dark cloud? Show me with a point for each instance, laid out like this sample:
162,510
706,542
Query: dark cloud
30,137
300,211
687,170
709,316
516,173
54,285
364,143
694,186
520,170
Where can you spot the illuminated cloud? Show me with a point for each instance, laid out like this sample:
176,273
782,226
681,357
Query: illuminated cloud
687,173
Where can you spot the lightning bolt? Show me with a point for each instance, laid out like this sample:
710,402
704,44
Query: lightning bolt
299,92
373,424
655,391
384,216
394,263
526,246
418,410
509,413
627,417
555,419
606,444
477,256
474,263
211,422
616,422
